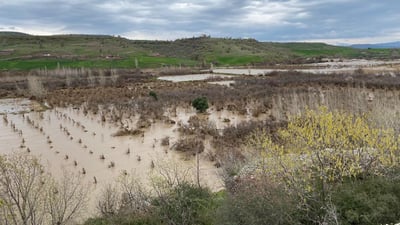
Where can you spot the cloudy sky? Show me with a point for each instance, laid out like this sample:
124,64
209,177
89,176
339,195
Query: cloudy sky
331,21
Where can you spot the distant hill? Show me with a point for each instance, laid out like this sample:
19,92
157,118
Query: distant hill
25,52
11,33
379,45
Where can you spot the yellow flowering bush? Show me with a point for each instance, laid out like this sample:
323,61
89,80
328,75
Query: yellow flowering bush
328,147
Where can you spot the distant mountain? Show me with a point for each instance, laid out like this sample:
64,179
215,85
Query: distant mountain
379,45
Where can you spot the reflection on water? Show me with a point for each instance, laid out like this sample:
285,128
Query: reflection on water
224,82
192,77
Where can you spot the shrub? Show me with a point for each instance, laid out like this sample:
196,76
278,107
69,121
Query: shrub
257,201
189,145
200,104
146,219
154,95
165,141
372,200
186,204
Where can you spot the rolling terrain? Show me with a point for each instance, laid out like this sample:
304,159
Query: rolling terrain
20,51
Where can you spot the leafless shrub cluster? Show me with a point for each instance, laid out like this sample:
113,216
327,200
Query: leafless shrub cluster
36,87
198,125
189,145
128,132
229,145
125,197
28,195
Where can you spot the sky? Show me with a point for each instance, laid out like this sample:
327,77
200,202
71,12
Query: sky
329,21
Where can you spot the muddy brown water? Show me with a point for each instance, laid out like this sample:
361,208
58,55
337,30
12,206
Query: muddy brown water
67,139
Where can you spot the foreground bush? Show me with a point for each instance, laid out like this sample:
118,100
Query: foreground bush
28,195
372,200
260,202
125,220
172,200
186,204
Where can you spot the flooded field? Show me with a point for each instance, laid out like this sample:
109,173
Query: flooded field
12,105
347,66
70,139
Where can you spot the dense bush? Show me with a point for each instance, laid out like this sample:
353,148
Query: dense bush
200,104
186,204
372,200
259,202
125,220
173,202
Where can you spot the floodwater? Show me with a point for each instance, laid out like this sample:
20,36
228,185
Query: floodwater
223,82
346,66
12,105
192,77
257,72
67,139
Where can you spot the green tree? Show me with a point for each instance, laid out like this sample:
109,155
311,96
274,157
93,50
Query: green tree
200,104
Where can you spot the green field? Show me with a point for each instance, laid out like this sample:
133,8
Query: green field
143,62
25,52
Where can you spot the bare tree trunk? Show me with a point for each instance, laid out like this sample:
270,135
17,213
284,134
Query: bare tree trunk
198,168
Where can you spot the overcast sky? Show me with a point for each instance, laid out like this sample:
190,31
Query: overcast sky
331,21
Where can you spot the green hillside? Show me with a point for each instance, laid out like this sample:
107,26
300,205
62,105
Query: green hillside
20,51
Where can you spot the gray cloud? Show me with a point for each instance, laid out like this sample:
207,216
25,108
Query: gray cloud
268,20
